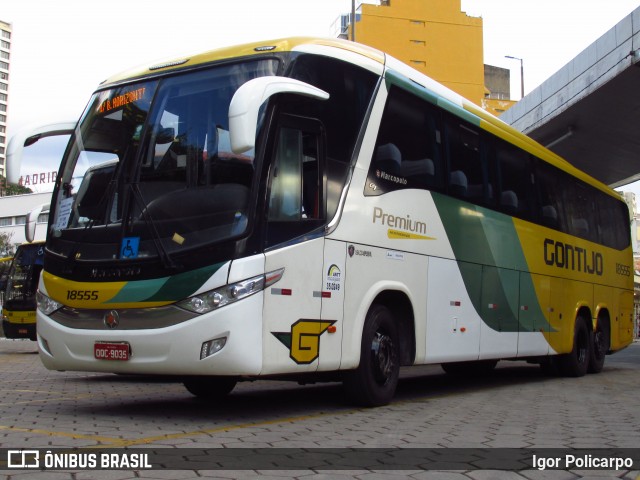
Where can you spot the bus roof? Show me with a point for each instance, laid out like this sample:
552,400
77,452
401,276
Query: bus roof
237,51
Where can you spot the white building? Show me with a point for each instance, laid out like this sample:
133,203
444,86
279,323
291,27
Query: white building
13,215
5,51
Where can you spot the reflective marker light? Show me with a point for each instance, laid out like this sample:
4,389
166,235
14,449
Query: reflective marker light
212,346
45,346
214,299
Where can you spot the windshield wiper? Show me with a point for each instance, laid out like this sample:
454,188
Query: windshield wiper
165,257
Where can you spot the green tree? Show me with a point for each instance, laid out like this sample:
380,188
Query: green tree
6,247
7,189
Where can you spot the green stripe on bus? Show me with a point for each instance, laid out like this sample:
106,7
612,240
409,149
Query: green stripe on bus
166,289
494,268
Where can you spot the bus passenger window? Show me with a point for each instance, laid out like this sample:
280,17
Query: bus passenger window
407,152
549,184
580,207
513,180
466,170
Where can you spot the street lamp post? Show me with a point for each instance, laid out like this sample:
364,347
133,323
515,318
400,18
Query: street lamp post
521,74
353,20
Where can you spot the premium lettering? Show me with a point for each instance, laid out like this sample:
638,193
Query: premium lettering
401,223
571,257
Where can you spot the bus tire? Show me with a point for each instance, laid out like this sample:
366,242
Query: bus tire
375,380
210,388
576,362
599,346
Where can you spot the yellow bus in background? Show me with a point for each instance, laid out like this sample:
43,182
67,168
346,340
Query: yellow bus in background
19,302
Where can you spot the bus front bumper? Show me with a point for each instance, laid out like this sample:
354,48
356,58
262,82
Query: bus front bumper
170,350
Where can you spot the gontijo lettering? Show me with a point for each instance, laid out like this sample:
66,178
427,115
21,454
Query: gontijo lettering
563,255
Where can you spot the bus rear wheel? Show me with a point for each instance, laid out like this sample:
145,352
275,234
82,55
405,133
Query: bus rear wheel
210,388
599,346
576,362
375,380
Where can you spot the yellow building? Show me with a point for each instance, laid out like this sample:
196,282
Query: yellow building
434,37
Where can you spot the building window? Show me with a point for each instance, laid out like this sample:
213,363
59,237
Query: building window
5,44
4,54
3,118
4,87
6,221
4,65
6,34
3,107
418,63
43,218
420,43
21,220
3,97
418,23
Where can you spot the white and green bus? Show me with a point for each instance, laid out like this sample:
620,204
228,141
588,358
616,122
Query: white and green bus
315,209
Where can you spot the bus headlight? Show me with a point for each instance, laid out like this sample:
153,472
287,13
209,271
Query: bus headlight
45,304
214,299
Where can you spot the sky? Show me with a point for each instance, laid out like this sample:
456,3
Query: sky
61,50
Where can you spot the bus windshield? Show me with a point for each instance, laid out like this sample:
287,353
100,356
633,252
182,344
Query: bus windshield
150,170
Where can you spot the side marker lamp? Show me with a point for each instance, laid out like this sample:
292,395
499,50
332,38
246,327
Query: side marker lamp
214,299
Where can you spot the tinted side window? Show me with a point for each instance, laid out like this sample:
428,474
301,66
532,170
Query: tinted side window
580,202
467,173
407,153
615,223
549,187
571,206
513,183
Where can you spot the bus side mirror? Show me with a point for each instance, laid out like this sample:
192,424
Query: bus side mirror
246,103
32,218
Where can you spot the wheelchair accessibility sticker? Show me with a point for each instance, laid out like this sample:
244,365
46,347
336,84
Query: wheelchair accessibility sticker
129,247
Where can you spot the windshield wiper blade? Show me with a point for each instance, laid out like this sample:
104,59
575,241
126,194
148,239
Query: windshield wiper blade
165,257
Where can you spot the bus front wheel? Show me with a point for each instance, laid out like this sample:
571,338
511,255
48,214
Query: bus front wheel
210,388
375,380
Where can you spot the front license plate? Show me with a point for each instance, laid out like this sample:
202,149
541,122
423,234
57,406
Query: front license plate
112,351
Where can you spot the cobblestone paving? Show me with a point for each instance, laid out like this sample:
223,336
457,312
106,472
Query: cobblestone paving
516,407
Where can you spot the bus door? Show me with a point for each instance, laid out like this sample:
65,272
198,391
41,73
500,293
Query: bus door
296,215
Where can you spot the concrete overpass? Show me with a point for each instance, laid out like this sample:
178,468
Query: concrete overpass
589,111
